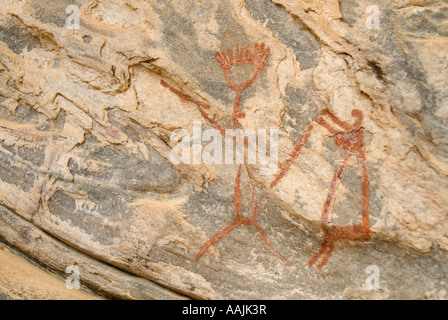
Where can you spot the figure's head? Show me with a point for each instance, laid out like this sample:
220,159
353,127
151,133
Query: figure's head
243,56
359,117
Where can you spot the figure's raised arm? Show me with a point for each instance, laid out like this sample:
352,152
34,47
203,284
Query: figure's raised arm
344,128
285,165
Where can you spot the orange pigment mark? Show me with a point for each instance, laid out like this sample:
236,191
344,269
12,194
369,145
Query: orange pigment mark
354,144
228,59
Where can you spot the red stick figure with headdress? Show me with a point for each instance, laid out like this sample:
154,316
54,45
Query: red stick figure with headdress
229,59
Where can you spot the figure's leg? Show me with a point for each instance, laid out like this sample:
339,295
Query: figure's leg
357,232
365,194
323,248
266,241
237,205
213,240
327,243
254,201
240,220
330,249
353,232
259,229
332,190
235,222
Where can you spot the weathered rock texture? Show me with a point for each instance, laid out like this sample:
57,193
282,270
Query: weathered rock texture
85,123
22,280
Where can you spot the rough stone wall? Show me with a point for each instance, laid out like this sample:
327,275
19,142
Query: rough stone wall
21,280
86,175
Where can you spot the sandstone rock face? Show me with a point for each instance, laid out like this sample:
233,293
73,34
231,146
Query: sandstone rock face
21,280
88,113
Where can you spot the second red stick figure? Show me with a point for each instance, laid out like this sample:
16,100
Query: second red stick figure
351,139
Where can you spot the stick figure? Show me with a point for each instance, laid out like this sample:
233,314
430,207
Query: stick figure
227,60
350,138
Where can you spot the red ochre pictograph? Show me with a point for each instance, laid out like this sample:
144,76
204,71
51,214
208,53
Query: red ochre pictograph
349,137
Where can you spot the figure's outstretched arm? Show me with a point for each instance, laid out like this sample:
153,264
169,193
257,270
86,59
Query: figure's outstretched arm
345,126
285,166
320,121
201,105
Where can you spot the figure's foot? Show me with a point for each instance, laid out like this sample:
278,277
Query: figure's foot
326,249
266,241
239,115
334,233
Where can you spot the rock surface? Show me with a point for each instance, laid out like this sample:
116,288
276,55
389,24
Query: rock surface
86,124
22,280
